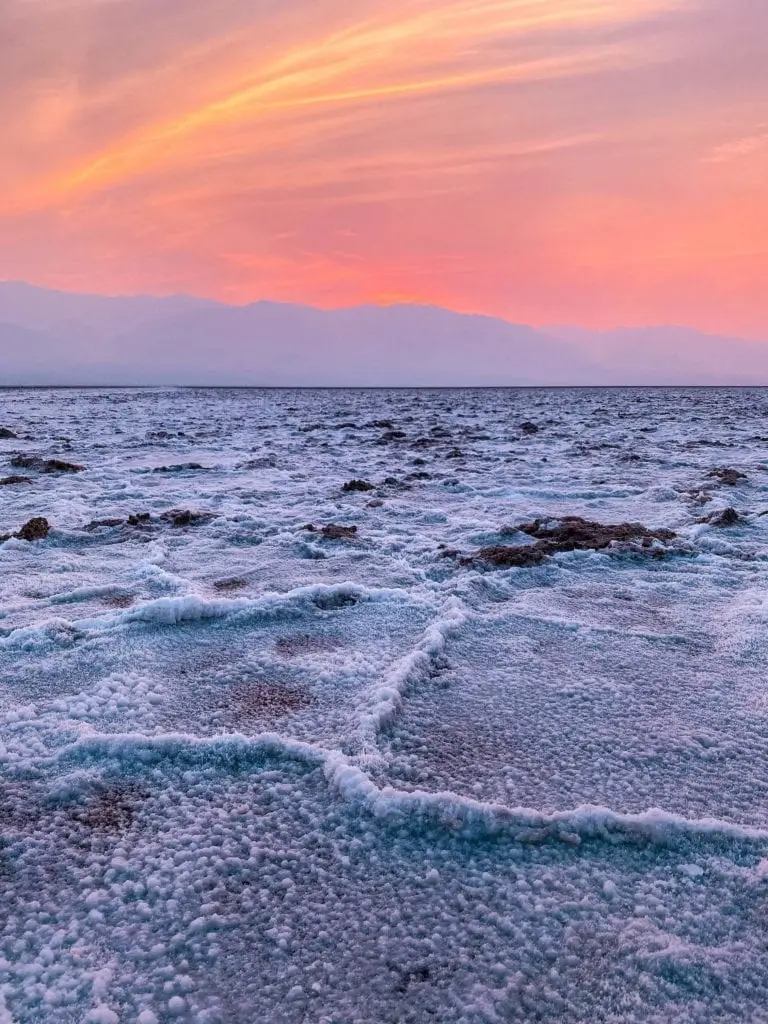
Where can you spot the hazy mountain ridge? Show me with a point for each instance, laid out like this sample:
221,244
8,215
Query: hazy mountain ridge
51,337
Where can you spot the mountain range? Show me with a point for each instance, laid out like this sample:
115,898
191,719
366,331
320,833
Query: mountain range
53,337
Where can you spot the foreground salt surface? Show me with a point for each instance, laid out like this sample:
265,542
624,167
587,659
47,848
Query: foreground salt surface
253,774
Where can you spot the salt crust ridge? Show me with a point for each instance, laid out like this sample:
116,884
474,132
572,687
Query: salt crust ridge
171,611
461,814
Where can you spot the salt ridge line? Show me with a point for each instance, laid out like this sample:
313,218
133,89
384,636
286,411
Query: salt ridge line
409,669
171,611
461,814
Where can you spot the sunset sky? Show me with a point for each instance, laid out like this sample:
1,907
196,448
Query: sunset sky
597,162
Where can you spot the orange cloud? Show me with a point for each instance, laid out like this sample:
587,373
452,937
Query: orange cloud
547,160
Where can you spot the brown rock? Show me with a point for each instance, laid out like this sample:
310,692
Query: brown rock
186,517
45,465
727,517
357,485
728,476
335,532
35,529
505,556
572,533
98,524
139,519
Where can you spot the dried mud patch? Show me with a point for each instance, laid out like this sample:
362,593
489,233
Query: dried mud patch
110,811
228,585
305,643
118,600
266,701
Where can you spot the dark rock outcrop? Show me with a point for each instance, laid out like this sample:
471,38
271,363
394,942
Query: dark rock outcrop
6,481
35,529
726,517
45,465
506,556
186,517
139,519
727,476
98,524
357,485
569,533
333,531
572,533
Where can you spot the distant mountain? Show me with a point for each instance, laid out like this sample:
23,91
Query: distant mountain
64,338
669,355
51,337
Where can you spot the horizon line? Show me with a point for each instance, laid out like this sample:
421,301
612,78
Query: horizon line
379,387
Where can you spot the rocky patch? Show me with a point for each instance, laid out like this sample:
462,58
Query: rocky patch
333,531
102,524
570,533
14,478
35,529
727,476
45,465
185,517
507,556
357,485
143,520
726,517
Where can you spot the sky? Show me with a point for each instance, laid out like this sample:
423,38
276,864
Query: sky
592,162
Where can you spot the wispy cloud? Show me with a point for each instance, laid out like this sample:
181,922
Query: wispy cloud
415,50
578,159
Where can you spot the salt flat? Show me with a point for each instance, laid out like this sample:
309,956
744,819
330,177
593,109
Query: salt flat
252,771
